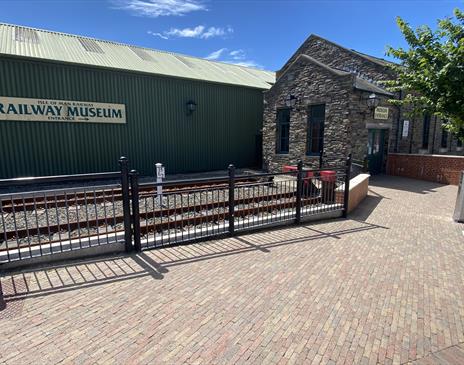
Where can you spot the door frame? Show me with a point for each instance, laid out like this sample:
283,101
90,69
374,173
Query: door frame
379,157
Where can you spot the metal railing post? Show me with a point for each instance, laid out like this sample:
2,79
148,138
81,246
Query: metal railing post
124,167
299,188
134,177
320,158
346,195
231,199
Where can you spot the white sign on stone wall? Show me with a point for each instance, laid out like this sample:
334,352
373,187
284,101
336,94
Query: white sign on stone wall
47,110
381,112
405,132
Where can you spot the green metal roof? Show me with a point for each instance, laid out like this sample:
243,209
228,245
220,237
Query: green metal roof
47,45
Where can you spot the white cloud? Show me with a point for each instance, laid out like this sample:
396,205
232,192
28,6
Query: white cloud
234,57
216,54
217,32
200,32
156,8
238,54
157,34
186,32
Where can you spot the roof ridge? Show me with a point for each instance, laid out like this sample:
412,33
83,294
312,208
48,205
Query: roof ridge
340,71
323,65
130,45
357,80
366,56
317,62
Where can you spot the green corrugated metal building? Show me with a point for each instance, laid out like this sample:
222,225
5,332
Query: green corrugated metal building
51,121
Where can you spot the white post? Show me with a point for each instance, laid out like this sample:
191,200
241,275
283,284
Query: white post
159,178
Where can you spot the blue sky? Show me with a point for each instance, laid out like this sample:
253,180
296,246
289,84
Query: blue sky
258,33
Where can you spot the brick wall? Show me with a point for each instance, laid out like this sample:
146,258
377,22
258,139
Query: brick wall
438,168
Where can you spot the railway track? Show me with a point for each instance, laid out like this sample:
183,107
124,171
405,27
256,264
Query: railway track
94,196
169,218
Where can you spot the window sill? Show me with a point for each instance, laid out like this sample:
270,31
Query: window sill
282,153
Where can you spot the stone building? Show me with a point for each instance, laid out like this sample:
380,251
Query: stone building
329,100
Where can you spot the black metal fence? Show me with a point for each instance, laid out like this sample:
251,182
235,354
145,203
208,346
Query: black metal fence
49,221
232,204
139,216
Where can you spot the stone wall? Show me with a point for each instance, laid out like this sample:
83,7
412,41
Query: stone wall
371,68
341,58
359,115
346,122
347,116
436,168
311,84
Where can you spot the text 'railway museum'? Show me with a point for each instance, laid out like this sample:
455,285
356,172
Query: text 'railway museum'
71,104
61,110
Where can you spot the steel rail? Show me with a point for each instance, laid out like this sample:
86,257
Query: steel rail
40,201
49,230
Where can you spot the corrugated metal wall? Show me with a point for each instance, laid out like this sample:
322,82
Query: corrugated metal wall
222,130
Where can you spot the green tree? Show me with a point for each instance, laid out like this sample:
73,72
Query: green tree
431,70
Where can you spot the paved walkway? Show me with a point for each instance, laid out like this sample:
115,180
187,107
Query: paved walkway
450,356
385,286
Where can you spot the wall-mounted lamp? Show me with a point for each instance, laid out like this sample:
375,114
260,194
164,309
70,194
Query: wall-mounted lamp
373,101
191,107
290,101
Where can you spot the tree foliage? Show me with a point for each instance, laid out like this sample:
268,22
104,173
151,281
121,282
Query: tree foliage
431,70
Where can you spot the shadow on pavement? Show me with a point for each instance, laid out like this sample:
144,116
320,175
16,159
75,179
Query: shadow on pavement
72,275
367,206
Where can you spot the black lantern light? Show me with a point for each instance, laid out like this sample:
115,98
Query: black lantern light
191,107
373,101
290,101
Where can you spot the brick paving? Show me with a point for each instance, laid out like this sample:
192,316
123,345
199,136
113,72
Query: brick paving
450,356
385,286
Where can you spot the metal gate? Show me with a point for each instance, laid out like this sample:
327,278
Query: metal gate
198,209
130,215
